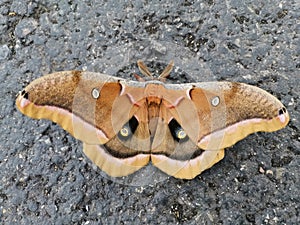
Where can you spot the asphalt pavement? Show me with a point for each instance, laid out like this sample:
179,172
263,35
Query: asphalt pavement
46,179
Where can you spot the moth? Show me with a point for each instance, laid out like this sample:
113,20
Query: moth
182,129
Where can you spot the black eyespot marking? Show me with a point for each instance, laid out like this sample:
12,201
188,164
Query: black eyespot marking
177,131
282,111
128,129
24,94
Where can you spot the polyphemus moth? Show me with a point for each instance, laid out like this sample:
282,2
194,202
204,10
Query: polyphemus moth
181,128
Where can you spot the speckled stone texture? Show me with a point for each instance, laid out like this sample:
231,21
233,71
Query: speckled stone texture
45,178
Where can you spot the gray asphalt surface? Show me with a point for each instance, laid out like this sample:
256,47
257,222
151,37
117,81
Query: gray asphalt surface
45,179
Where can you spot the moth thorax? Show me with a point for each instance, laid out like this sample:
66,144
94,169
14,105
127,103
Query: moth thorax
152,100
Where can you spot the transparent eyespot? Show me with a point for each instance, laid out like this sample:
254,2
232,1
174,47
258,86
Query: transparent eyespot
128,129
177,131
215,101
124,131
180,133
95,93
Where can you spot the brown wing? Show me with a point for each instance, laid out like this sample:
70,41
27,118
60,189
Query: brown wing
235,110
211,117
80,102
